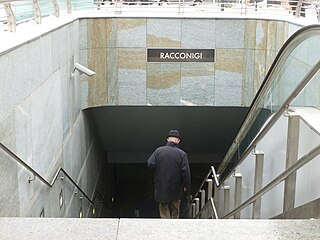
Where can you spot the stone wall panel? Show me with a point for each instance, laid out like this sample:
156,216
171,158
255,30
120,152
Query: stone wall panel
197,33
165,33
131,32
163,83
98,94
112,76
230,33
197,84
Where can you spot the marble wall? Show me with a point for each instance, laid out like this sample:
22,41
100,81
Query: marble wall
116,49
41,122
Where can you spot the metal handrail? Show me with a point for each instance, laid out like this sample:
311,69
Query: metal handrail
43,180
302,161
24,164
212,172
283,108
215,176
263,89
293,168
313,71
213,207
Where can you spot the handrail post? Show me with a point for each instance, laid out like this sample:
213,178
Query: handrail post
226,190
189,206
216,185
12,24
256,206
215,194
209,189
291,158
196,206
36,11
298,9
203,202
238,190
202,198
118,7
193,209
69,7
56,10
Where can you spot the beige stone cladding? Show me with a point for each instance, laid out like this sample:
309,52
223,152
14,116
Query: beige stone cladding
117,47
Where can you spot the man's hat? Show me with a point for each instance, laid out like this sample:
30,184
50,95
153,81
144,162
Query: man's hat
174,133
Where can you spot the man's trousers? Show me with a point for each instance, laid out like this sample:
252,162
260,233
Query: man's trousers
170,210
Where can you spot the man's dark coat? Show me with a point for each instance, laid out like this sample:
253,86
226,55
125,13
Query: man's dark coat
172,172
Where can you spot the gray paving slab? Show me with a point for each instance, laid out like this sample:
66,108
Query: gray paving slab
158,229
146,229
58,228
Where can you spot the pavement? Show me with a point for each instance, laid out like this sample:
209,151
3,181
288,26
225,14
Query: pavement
146,229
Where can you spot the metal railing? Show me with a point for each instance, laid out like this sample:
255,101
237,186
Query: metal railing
202,197
281,177
208,211
13,12
276,109
211,173
36,175
295,166
275,78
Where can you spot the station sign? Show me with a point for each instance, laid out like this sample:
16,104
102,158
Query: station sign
180,55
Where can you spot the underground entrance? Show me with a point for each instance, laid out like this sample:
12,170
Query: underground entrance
129,134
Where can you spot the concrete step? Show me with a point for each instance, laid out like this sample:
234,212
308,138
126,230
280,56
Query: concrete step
158,229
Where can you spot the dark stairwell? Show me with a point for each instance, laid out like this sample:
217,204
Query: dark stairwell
129,134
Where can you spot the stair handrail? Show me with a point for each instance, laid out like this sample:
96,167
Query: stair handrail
281,177
299,163
282,109
212,173
294,167
308,77
281,56
213,207
43,180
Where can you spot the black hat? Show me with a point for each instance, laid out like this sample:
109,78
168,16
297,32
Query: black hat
174,133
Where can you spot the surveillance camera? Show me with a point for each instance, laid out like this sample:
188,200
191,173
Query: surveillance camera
83,69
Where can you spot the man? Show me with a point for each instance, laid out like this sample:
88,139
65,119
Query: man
172,175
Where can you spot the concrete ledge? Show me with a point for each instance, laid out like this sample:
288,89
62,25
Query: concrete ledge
309,210
146,229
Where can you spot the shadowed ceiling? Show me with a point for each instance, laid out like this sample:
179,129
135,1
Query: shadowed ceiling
131,133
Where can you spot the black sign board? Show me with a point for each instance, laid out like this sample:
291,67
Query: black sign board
180,55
